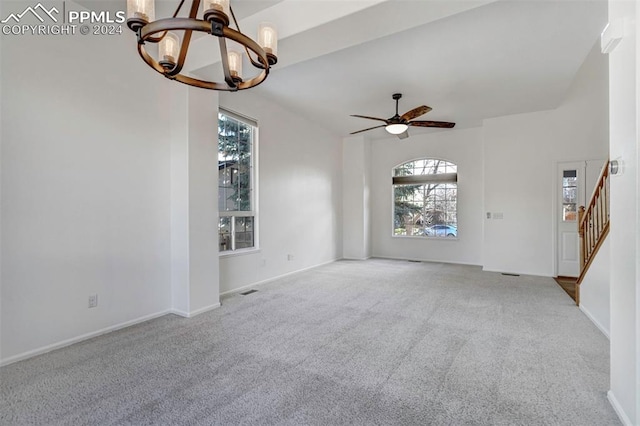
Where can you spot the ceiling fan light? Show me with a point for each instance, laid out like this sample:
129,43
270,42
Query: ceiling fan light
396,129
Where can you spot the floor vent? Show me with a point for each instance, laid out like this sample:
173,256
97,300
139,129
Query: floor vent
510,275
248,292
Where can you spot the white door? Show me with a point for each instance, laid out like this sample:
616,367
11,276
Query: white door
571,191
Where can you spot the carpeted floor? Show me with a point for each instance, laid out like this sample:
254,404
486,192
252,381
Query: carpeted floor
365,343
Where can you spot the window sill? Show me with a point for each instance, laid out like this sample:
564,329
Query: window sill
241,252
424,237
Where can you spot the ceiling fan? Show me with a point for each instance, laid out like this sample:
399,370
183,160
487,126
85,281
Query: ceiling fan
398,124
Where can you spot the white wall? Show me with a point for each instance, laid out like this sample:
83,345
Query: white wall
462,147
194,200
85,189
520,154
356,176
624,97
300,195
594,290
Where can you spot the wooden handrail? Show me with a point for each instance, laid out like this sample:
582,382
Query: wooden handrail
593,225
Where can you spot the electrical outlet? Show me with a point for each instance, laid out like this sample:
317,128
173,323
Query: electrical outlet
93,300
289,257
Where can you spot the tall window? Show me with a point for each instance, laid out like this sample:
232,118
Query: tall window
569,195
236,182
425,194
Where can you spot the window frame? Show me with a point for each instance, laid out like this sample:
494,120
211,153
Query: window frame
253,213
442,178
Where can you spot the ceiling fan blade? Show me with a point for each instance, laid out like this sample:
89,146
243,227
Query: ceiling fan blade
403,135
370,118
420,123
416,112
370,128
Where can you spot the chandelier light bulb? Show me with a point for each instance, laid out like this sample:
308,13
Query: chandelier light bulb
216,9
396,129
142,11
169,49
268,38
235,64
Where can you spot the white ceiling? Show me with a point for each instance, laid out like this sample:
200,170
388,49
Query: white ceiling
501,58
467,59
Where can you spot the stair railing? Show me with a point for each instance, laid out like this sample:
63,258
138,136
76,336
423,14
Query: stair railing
593,225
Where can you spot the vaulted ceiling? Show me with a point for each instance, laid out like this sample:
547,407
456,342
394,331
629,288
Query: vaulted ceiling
468,60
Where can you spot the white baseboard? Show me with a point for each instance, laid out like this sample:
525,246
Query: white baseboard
410,259
68,342
268,280
618,408
594,321
500,271
196,312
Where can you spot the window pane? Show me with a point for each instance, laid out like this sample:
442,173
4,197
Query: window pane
429,210
569,213
224,233
569,194
425,166
235,182
234,164
244,232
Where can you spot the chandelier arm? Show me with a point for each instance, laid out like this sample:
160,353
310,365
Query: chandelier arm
178,9
149,59
235,21
184,48
250,44
194,9
159,38
168,24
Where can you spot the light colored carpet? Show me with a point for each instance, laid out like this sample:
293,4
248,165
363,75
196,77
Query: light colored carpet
373,342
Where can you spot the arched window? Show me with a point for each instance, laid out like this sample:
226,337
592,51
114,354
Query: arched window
425,194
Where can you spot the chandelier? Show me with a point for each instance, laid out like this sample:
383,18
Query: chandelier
172,52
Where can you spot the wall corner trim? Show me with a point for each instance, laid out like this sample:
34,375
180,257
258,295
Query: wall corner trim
196,312
618,408
594,321
82,337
